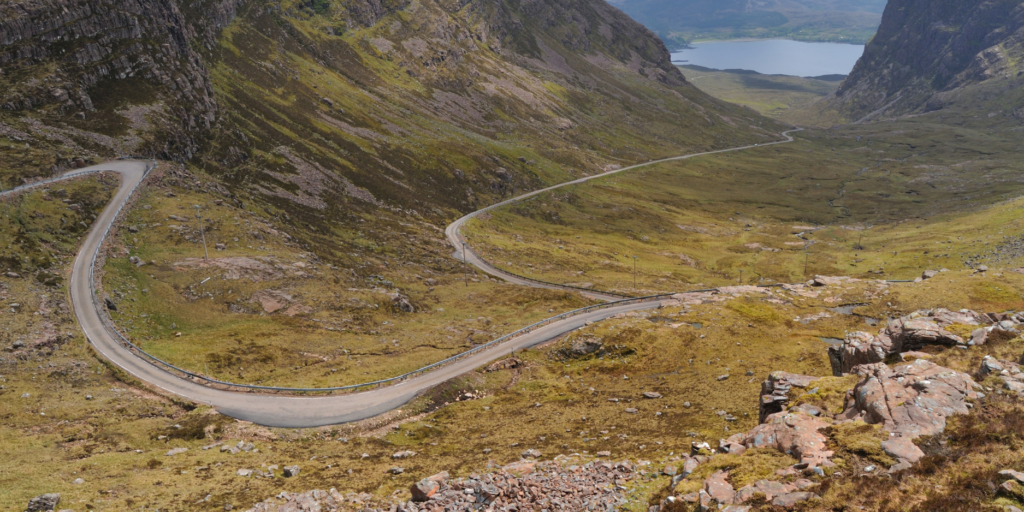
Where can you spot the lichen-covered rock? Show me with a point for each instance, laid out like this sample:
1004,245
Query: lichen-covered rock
795,433
909,400
44,503
906,334
914,333
717,486
775,391
770,489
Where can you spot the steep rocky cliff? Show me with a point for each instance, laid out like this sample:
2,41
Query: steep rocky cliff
111,67
928,51
415,105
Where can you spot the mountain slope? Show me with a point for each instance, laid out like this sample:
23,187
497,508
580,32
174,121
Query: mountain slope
357,105
927,53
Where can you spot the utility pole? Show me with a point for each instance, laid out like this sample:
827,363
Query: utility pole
634,271
465,267
202,233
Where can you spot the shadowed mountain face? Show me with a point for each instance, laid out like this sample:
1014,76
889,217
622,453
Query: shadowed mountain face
398,105
929,54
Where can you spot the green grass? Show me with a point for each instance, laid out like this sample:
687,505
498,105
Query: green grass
340,326
771,95
113,440
890,204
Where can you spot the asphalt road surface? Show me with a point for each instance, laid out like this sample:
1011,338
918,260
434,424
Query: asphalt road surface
299,411
472,258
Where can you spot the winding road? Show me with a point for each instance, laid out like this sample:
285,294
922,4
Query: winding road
309,411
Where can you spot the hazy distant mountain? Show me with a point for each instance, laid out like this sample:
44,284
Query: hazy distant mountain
681,21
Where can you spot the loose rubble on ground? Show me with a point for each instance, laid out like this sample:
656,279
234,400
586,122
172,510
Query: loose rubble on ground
565,483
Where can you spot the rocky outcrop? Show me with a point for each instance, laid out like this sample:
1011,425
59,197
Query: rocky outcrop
796,433
1008,371
906,334
926,49
909,401
44,503
775,392
98,57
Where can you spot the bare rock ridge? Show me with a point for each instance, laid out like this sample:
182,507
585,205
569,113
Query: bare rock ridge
913,332
78,58
925,51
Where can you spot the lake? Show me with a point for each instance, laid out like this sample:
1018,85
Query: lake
773,57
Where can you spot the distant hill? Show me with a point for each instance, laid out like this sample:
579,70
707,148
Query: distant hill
932,54
679,22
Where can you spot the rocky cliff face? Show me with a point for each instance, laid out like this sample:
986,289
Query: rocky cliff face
83,61
927,50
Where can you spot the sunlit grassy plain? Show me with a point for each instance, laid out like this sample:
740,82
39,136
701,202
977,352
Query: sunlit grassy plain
889,205
771,95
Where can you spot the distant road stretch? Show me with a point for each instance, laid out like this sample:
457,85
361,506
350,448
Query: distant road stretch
297,411
472,258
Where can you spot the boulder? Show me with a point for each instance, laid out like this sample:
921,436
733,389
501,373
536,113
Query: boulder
909,400
531,453
945,317
978,337
424,489
858,348
792,499
989,365
775,392
795,433
405,454
827,280
719,489
584,346
403,304
769,488
290,471
910,333
689,466
1014,475
176,451
44,503
928,274
902,448
651,394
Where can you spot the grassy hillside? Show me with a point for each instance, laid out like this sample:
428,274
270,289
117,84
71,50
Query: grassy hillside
775,96
871,201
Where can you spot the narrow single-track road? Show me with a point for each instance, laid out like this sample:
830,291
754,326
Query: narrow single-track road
472,258
301,411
